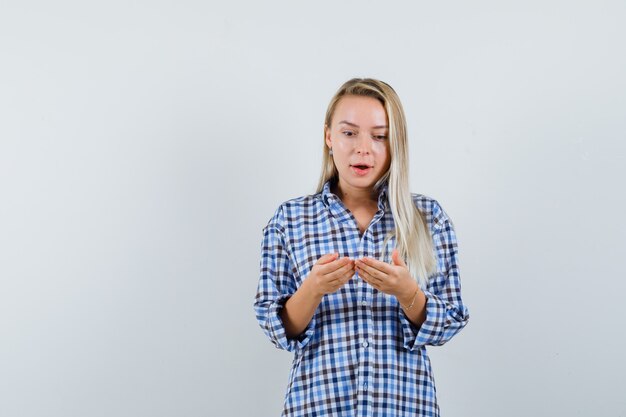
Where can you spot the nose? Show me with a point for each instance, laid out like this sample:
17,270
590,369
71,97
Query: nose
363,145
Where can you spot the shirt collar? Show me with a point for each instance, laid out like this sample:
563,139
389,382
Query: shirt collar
383,202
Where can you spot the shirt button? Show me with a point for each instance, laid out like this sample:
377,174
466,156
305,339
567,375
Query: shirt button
365,344
363,303
365,386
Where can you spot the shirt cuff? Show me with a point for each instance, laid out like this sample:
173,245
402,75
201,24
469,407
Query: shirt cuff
431,330
276,328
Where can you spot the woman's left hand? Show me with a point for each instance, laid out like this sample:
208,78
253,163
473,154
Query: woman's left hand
391,279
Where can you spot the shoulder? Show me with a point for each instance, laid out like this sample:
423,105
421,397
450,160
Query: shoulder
295,210
435,216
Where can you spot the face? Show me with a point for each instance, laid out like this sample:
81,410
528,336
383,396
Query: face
359,138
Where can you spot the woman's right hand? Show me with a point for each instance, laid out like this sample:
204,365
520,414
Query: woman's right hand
330,274
326,276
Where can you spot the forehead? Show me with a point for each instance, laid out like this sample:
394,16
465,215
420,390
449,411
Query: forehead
360,110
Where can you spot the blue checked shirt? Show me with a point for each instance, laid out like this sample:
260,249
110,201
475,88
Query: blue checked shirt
359,355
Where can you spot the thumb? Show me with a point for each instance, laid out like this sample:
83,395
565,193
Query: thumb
397,259
327,258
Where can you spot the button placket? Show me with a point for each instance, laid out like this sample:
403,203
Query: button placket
369,321
361,370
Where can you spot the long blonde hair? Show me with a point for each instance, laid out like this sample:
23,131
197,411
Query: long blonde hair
413,238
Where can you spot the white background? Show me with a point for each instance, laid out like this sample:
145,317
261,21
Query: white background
144,145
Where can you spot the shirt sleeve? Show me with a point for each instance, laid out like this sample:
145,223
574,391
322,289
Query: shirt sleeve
446,314
276,285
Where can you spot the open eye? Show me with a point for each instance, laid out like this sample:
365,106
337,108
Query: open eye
348,133
381,137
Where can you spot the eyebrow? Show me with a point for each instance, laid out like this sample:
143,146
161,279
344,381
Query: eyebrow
345,122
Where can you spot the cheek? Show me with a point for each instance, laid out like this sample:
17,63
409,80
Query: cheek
342,145
341,152
380,148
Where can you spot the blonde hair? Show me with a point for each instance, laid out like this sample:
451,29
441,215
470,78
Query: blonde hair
413,237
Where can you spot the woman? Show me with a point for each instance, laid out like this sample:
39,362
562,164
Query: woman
358,278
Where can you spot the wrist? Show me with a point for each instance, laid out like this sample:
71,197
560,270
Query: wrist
310,289
408,293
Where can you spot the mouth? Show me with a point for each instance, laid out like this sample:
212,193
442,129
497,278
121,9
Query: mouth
361,169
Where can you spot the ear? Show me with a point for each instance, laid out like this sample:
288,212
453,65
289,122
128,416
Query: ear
329,143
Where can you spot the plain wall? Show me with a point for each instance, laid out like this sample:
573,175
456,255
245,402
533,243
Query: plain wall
144,145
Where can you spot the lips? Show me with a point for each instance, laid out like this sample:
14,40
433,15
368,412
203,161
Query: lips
361,169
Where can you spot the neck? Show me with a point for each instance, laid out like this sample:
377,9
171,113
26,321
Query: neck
354,196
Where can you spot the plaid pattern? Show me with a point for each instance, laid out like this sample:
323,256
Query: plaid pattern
359,355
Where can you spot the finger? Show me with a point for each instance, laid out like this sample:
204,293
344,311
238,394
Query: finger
329,257
343,270
340,282
338,278
348,276
367,277
372,272
363,275
369,280
397,259
375,263
344,280
337,266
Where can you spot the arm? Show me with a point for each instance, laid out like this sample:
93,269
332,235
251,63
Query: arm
413,303
396,280
327,276
432,316
299,309
287,313
444,313
276,286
